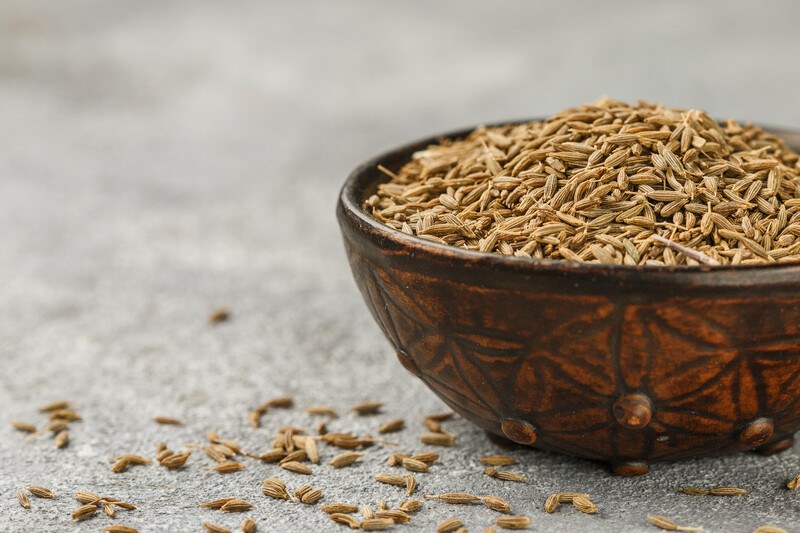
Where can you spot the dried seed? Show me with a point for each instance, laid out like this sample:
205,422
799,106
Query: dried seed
498,460
25,427
219,315
426,457
216,504
272,456
390,479
119,503
367,512
23,500
367,408
321,410
513,522
296,456
727,491
376,524
283,402
503,475
345,519
85,512
215,528
411,484
41,492
392,426
249,525
345,459
122,462
175,461
255,416
793,483
414,466
669,525
312,496
584,505
236,506
453,497
339,508
552,503
769,529
568,497
62,439
438,439
448,525
227,467
297,468
410,506
118,528
109,510
167,420
311,450
496,504
55,406
395,515
84,496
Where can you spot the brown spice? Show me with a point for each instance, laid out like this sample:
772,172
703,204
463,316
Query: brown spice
41,492
438,439
345,519
297,468
322,410
85,512
411,484
118,528
513,522
175,461
551,504
62,439
410,506
584,505
219,315
376,524
25,427
449,525
392,426
249,525
215,528
168,420
55,406
216,504
236,505
414,465
23,499
367,408
390,479
345,459
498,460
339,508
496,503
669,525
503,475
453,497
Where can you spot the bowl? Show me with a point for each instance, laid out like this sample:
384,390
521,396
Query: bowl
621,364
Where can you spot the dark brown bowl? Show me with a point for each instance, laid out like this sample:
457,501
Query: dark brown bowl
627,365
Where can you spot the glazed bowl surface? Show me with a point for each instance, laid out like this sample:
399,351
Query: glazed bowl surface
627,365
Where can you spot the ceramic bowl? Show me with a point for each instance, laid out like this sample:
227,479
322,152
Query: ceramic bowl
626,365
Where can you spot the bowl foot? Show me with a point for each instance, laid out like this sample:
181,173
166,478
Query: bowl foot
777,446
632,468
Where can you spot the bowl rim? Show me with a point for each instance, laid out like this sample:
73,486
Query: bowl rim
362,176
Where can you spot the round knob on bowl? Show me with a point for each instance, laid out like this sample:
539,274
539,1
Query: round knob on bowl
633,410
519,431
756,432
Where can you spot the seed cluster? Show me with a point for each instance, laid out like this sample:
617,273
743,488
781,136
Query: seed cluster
607,183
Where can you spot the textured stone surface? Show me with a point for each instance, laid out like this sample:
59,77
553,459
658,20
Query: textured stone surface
159,160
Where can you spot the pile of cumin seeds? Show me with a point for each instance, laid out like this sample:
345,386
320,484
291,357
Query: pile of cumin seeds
606,182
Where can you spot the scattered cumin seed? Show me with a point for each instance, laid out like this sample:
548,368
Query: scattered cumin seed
395,515
62,439
54,406
41,492
345,459
215,528
426,457
448,525
339,508
669,525
769,529
312,450
176,460
727,491
513,522
367,512
23,499
410,506
168,421
25,427
367,408
498,460
297,456
458,498
414,465
215,504
346,519
411,484
272,456
123,461
282,402
297,468
109,510
119,528
584,505
57,425
496,503
392,426
376,524
249,525
254,417
502,474
552,503
312,496
236,505
84,496
322,410
64,414
438,439
441,417
219,315
227,467
793,483
85,512
390,479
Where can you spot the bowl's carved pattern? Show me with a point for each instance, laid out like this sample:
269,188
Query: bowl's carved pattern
628,382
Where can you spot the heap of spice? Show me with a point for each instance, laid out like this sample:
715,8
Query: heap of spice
607,182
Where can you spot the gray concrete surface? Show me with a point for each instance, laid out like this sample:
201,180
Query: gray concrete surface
160,159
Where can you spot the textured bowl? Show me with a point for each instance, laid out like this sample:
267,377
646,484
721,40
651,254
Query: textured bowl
620,364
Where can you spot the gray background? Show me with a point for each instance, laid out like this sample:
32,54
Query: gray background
160,159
